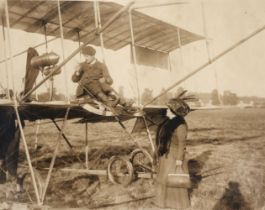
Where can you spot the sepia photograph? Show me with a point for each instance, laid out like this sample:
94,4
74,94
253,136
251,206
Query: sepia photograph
132,104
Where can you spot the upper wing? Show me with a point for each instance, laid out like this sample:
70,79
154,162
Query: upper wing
78,18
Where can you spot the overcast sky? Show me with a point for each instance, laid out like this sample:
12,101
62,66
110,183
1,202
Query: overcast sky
227,21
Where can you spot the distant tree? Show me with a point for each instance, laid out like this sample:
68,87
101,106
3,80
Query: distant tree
147,96
215,97
230,98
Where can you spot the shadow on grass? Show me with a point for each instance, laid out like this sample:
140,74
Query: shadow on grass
232,199
195,166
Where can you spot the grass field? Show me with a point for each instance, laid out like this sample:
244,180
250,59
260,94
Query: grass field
226,152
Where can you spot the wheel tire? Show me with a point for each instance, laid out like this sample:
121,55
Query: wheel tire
125,174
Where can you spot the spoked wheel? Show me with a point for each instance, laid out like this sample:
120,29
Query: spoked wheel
120,170
142,161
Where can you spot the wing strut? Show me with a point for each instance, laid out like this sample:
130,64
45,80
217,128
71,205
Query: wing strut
5,55
134,58
63,50
208,47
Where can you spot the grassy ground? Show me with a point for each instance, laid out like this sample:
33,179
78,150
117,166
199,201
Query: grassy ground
226,152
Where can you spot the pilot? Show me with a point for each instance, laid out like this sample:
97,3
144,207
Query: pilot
94,80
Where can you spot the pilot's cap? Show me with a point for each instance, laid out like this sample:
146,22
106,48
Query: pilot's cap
87,50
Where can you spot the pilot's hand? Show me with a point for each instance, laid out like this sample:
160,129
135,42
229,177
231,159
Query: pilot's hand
77,73
102,80
109,80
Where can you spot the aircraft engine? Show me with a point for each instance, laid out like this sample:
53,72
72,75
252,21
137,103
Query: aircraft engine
47,59
47,70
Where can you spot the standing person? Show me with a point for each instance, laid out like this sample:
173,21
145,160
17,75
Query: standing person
94,80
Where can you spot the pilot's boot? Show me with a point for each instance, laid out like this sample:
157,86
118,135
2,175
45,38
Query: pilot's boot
121,100
101,96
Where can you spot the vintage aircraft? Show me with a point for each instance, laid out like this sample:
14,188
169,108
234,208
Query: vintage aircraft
85,22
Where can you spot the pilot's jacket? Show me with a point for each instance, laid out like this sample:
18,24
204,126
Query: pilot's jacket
88,78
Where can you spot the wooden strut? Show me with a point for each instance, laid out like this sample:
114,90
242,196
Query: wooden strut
37,193
159,5
106,25
105,173
149,134
86,142
208,47
63,51
54,156
9,46
67,141
64,137
203,66
27,154
134,58
5,60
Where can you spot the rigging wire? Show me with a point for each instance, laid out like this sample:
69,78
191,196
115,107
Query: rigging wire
208,47
51,80
25,51
180,51
98,26
79,43
63,50
45,36
9,46
5,55
134,58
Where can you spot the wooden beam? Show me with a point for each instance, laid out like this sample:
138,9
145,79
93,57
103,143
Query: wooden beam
157,5
139,30
160,41
49,16
27,13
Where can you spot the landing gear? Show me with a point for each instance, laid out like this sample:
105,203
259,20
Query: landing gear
120,170
142,161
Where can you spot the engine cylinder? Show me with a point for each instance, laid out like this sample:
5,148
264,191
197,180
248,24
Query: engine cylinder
47,59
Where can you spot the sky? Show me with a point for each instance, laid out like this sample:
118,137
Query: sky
226,22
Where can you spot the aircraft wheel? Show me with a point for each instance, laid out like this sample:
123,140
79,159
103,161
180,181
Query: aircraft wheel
120,170
142,161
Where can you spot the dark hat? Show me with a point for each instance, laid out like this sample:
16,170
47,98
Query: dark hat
87,50
178,106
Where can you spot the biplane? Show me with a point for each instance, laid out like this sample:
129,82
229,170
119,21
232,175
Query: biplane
105,24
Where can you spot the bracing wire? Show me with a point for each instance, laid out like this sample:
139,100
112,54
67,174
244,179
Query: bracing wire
45,36
209,53
79,44
5,55
9,46
134,58
63,50
46,49
98,26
